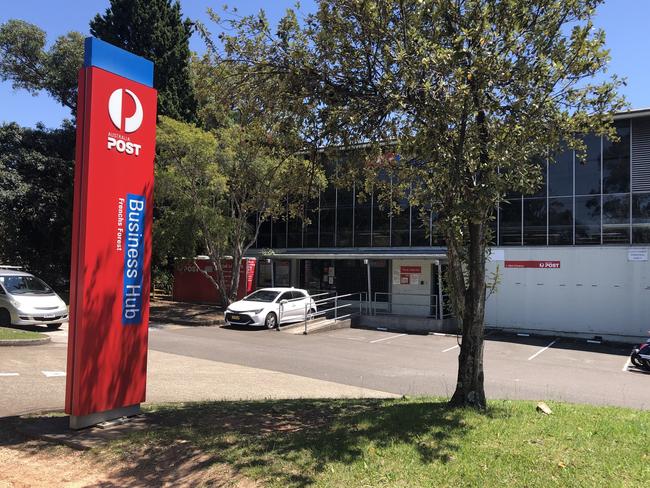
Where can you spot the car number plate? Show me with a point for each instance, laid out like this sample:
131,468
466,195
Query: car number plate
51,316
235,317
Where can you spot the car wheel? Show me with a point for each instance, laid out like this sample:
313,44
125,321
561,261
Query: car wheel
53,326
310,315
271,321
5,317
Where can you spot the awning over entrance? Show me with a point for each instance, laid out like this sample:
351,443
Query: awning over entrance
419,254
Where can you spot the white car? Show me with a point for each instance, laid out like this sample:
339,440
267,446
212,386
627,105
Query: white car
26,300
270,307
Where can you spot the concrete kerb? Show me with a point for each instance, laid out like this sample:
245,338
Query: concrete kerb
25,342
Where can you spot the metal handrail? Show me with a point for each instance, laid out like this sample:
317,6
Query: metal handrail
363,298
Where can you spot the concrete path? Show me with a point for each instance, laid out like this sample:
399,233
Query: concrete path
33,378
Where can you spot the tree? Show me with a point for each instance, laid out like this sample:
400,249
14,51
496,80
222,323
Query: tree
28,65
471,92
156,30
36,173
219,187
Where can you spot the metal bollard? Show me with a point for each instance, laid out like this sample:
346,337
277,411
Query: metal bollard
306,309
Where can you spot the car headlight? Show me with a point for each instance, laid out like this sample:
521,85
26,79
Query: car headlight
256,311
14,302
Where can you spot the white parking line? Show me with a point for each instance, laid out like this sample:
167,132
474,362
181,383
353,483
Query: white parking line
9,374
542,350
627,364
387,338
53,374
451,348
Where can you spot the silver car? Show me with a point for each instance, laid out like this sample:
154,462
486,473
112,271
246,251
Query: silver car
26,300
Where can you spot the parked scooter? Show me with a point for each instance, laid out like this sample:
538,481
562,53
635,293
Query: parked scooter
640,356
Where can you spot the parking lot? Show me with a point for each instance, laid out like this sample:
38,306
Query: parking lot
201,363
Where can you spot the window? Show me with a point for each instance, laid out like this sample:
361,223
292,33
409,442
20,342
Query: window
264,236
297,294
587,223
420,227
616,219
588,168
327,224
310,229
279,236
510,223
616,161
641,218
362,224
380,226
534,221
287,295
560,221
295,233
400,227
560,174
344,218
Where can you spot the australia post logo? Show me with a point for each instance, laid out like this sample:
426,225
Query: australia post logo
125,111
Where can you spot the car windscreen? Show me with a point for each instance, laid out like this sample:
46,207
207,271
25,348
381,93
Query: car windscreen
25,285
262,296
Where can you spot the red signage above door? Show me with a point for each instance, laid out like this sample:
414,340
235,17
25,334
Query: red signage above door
410,269
533,264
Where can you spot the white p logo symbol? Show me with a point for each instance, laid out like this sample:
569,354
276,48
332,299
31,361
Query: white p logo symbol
131,123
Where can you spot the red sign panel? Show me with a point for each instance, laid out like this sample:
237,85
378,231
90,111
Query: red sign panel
410,269
533,264
111,245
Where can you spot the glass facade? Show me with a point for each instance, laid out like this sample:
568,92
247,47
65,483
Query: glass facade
585,199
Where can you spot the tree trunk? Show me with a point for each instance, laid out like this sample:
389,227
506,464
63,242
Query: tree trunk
470,391
234,282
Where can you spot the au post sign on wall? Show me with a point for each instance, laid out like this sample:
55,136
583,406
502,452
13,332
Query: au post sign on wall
111,235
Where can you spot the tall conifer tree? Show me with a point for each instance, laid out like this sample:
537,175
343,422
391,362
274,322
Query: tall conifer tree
156,30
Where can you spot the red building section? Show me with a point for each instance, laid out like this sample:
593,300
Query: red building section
191,285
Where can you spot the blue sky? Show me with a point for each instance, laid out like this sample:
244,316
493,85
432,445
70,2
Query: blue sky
625,22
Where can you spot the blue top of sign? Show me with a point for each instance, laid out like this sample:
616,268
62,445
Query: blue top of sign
123,63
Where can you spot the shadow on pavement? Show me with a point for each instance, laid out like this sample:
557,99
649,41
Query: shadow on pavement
193,314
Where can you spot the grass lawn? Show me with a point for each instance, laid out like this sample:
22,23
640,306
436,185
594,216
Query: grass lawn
13,334
401,443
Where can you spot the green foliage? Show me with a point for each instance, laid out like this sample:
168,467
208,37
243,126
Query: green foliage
214,189
156,30
36,175
188,188
28,65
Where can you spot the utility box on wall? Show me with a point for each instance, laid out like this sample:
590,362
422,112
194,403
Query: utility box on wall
191,285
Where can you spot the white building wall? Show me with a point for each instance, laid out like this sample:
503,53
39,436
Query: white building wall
597,291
